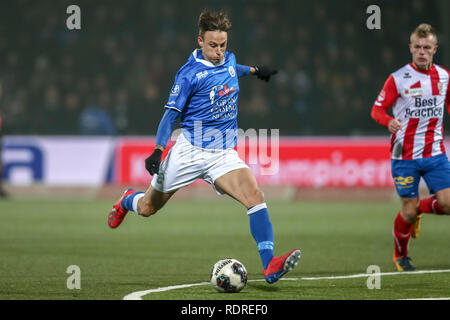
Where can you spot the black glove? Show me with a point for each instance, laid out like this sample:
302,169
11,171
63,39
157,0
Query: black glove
264,73
152,163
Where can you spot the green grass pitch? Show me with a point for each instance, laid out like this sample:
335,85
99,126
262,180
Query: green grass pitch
39,239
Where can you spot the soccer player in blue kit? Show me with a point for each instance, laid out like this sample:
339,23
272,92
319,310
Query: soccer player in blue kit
204,96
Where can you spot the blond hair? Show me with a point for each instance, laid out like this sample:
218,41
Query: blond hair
424,30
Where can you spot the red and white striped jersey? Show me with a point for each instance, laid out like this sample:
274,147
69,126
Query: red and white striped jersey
418,99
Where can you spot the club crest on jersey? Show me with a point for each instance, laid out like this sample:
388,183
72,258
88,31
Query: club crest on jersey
231,71
440,86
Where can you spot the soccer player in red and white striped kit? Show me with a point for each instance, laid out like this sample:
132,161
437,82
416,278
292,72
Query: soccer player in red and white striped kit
418,93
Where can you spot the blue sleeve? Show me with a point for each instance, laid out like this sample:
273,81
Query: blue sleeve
242,70
181,90
166,126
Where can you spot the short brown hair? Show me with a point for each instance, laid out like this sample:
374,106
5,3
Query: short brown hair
211,21
423,31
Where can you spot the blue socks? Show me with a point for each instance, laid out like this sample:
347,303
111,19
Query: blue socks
130,202
262,232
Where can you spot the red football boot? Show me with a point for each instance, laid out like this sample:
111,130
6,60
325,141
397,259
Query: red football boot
117,213
279,266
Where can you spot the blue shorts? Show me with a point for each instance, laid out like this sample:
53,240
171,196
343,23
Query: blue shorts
407,173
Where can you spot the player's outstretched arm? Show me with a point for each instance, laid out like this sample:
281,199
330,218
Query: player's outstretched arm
262,72
164,131
243,71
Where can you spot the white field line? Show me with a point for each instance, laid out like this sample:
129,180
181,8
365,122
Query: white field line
139,294
447,298
363,275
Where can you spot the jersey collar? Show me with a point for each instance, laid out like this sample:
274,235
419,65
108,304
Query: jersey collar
424,72
198,56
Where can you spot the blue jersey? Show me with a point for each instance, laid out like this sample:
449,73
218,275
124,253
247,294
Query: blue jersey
206,95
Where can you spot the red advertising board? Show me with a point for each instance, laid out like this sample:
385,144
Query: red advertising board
130,160
305,162
330,162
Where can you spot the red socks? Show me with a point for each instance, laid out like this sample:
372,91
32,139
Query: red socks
430,205
402,235
402,228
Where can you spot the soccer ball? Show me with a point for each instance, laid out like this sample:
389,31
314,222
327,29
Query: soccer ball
228,275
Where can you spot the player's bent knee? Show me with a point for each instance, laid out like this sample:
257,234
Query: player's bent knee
256,197
410,209
409,214
260,195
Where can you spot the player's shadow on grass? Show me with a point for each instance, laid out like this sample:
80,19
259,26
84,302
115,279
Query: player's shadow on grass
263,286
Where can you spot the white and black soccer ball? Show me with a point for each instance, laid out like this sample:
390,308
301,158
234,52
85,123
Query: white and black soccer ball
228,275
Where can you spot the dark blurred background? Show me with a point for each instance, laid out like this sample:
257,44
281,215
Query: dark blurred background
121,65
